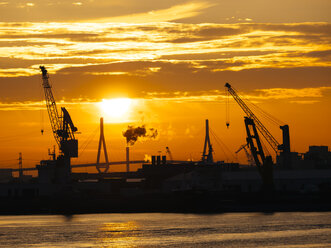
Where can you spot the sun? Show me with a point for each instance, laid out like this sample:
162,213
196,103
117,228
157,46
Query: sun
116,108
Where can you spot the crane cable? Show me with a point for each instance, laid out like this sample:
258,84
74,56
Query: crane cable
221,143
265,148
258,109
88,141
265,114
42,123
227,109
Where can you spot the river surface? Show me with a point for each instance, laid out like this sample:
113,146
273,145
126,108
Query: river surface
168,230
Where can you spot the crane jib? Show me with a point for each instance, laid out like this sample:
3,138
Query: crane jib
263,130
62,126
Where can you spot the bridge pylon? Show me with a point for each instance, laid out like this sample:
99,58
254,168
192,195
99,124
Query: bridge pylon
102,168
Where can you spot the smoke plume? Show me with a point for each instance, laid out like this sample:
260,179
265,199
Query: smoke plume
133,133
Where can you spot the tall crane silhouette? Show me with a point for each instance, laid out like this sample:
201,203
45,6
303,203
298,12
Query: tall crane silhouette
62,126
253,125
263,130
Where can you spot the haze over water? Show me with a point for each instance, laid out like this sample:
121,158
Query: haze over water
168,230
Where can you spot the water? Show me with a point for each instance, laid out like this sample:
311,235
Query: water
168,230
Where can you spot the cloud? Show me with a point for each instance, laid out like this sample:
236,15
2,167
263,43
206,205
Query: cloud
16,72
176,12
257,95
38,105
213,47
280,93
98,59
27,105
305,102
298,96
186,96
318,28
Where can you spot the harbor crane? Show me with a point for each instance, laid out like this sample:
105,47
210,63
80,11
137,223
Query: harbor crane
248,155
253,125
62,126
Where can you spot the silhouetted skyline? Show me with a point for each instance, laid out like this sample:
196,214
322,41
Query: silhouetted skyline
171,59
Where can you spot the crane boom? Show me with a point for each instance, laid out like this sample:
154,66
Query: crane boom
62,126
51,105
263,130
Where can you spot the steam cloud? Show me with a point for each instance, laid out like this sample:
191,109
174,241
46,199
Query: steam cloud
133,133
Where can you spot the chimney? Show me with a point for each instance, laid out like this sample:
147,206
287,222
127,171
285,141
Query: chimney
127,159
164,160
158,160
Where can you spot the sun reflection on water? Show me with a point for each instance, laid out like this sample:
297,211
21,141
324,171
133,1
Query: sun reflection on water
123,234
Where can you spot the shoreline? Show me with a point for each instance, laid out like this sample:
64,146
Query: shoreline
164,204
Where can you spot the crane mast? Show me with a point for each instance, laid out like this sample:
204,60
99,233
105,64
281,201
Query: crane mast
263,163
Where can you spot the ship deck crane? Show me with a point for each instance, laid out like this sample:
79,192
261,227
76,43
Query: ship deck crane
62,125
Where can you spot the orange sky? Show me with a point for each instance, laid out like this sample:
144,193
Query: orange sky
173,59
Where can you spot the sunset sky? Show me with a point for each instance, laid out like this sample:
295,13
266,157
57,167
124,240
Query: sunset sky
172,59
